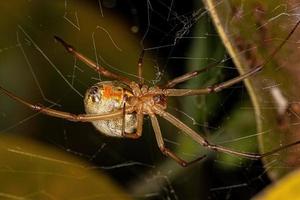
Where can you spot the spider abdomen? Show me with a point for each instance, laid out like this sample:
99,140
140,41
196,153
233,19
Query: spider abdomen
105,97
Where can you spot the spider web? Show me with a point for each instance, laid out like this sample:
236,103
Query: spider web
178,37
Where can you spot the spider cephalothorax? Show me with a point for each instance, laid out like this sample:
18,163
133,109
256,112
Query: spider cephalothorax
145,98
117,108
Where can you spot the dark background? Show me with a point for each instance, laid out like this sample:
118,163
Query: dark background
179,37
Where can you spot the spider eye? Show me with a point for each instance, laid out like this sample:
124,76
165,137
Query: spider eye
160,99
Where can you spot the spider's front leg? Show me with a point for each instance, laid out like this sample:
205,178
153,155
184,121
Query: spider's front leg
185,77
92,64
140,67
212,88
226,84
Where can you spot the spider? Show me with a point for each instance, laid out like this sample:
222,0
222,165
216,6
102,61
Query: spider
117,108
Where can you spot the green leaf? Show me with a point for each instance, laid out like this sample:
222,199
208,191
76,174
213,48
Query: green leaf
30,170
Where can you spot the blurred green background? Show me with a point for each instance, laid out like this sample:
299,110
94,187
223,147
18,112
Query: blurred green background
178,37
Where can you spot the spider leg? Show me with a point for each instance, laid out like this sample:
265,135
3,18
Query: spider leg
212,88
221,86
140,119
92,64
140,67
164,149
201,140
65,115
172,83
138,132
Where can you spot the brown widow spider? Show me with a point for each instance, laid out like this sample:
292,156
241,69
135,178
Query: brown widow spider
117,108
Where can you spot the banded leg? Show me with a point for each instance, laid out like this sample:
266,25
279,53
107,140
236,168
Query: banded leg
201,140
226,84
189,75
164,149
212,88
65,115
140,67
92,64
139,129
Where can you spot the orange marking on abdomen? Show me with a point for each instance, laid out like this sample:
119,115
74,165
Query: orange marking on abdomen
109,92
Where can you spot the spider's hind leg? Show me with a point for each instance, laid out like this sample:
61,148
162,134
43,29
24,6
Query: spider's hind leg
139,126
167,151
61,114
139,129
